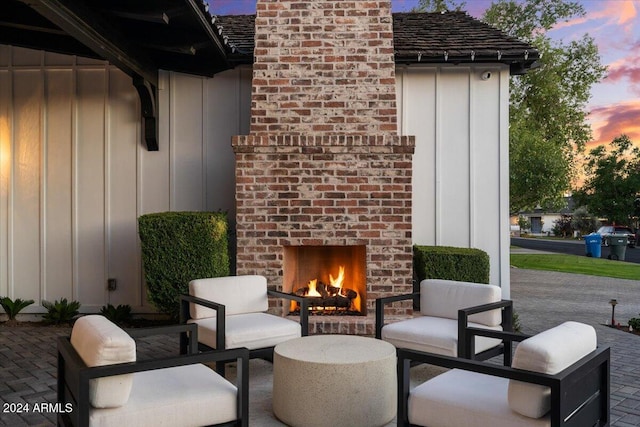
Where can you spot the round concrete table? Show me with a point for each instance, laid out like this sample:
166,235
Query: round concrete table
334,380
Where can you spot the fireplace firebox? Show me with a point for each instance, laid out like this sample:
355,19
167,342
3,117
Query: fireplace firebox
333,278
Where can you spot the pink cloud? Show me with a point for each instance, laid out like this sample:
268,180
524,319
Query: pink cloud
618,13
611,121
627,12
626,69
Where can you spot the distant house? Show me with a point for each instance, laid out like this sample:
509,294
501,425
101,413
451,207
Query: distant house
542,220
108,113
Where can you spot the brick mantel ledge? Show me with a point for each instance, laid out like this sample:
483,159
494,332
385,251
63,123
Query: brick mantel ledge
400,144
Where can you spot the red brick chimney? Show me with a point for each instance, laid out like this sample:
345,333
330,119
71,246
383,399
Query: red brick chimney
323,67
323,164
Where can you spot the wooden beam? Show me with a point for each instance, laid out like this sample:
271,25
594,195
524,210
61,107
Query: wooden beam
155,17
86,26
207,28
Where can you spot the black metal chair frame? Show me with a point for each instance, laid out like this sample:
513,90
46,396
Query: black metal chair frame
466,343
259,353
74,375
579,393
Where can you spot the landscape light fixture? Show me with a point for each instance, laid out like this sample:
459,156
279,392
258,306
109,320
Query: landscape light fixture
613,304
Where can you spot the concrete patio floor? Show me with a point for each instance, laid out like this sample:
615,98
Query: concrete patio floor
542,300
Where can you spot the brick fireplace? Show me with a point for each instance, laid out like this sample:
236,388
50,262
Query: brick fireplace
323,166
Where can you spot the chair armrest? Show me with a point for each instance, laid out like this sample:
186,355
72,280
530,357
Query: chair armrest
304,307
186,299
65,347
182,329
185,315
74,374
466,341
485,307
574,380
380,302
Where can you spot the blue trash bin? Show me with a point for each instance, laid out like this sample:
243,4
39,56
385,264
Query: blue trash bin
593,244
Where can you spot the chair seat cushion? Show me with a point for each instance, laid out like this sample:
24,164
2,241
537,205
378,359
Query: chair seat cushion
252,330
433,335
461,398
100,342
192,395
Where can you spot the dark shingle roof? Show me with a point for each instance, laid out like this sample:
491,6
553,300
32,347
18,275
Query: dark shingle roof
451,37
456,37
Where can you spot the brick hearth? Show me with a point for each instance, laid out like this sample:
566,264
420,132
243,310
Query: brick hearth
323,164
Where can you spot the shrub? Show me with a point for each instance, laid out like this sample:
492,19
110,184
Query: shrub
634,322
12,308
562,226
450,263
120,314
60,312
178,247
583,221
524,224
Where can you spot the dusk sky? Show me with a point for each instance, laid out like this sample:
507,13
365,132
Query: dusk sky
614,24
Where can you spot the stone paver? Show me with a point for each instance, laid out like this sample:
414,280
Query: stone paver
542,300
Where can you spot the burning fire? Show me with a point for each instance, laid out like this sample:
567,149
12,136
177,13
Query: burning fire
337,282
326,295
313,292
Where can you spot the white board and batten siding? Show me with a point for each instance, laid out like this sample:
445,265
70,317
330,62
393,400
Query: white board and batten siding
75,175
461,160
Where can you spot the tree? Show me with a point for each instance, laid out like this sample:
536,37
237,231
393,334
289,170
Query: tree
584,221
612,183
524,224
547,113
439,6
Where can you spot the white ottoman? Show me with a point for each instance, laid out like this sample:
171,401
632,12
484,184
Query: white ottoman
334,380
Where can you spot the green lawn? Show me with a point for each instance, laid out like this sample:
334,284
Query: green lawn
577,264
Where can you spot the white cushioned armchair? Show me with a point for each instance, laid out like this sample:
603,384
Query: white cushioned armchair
447,309
558,378
231,312
104,385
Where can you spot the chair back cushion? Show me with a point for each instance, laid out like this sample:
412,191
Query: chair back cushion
443,298
548,352
99,342
239,294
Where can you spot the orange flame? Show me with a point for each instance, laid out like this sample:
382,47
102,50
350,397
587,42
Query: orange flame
337,282
313,292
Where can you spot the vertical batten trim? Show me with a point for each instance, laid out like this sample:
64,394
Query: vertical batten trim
503,164
438,158
44,142
139,165
11,177
204,142
471,81
172,145
401,89
4,183
75,292
106,228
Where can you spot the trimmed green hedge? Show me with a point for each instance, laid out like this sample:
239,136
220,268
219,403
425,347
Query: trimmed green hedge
178,247
446,262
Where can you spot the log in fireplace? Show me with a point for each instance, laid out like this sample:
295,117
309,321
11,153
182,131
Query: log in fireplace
332,277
